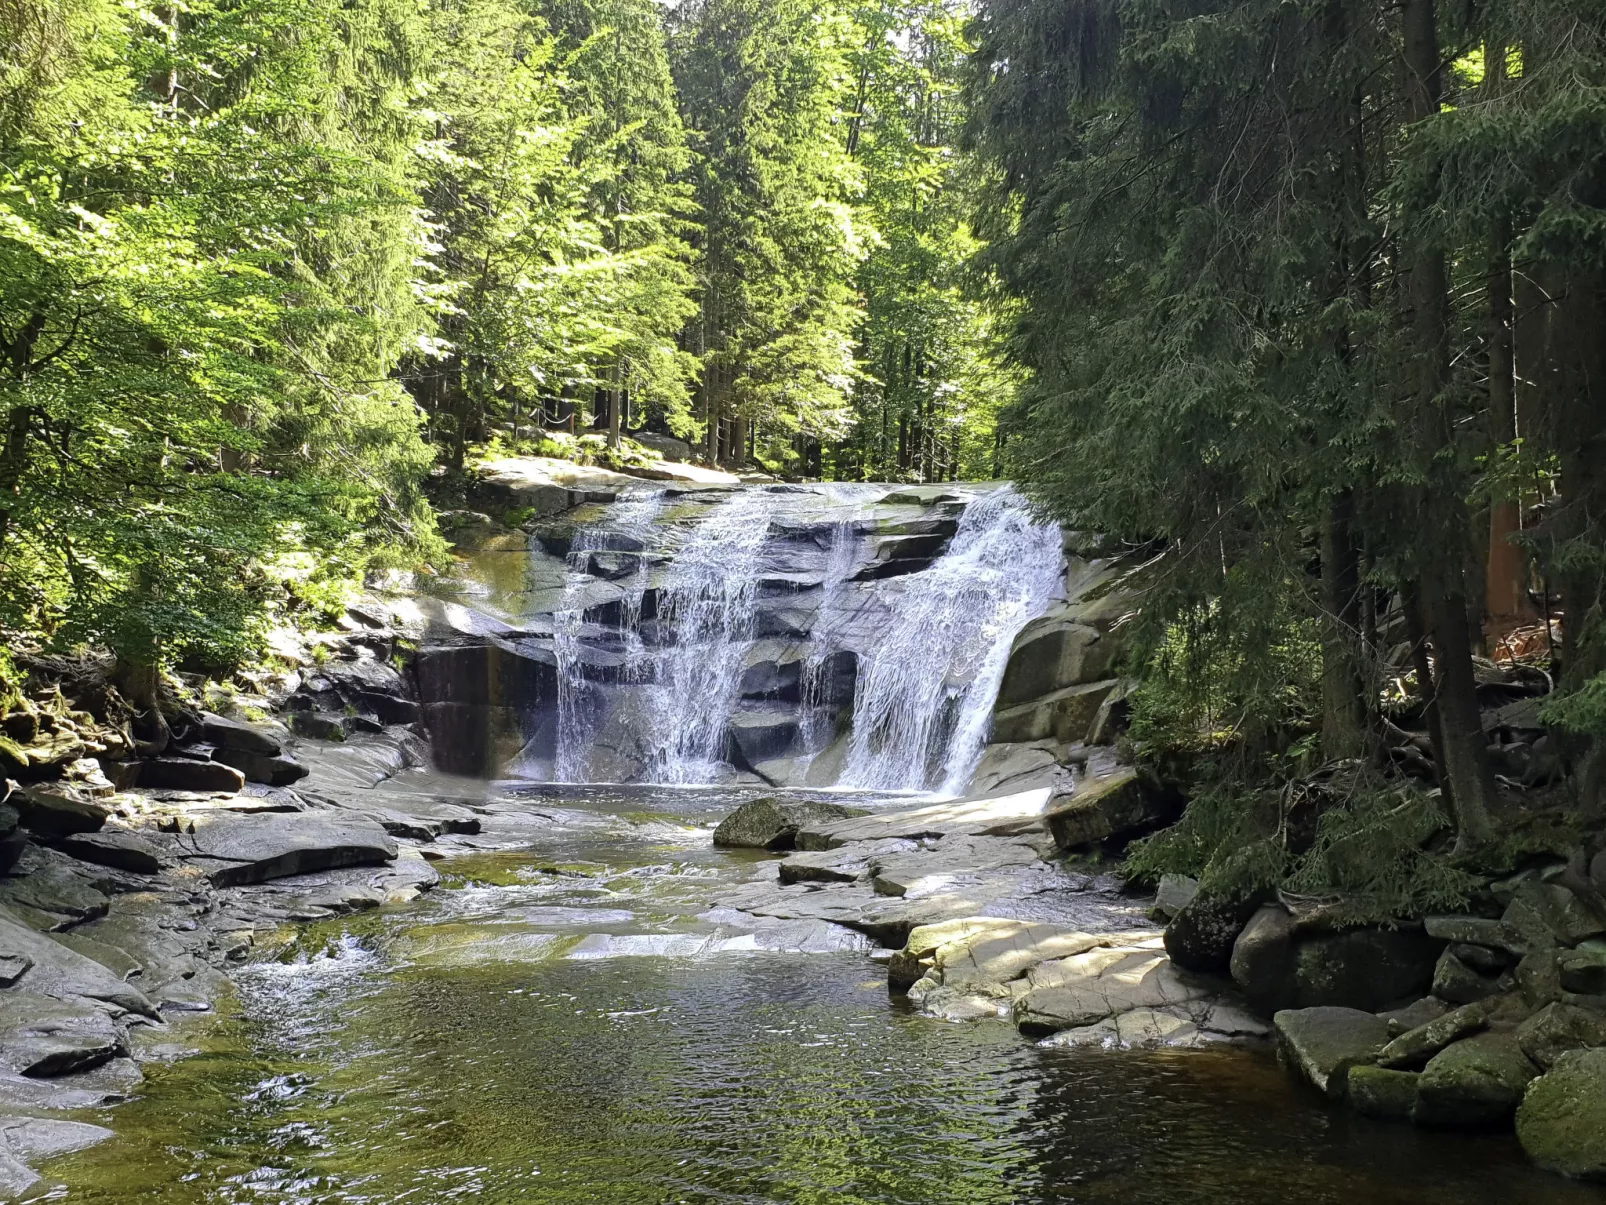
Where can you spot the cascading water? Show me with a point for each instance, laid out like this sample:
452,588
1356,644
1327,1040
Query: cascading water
628,527
665,701
926,690
706,599
841,561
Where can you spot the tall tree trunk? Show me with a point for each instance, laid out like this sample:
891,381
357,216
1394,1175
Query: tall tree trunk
1506,569
1441,552
739,439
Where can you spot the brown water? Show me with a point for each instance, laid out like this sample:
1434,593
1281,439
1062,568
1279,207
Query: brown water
516,1038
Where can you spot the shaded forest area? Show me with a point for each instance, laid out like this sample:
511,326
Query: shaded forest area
1309,298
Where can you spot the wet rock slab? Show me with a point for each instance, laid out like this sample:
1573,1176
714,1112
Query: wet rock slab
238,849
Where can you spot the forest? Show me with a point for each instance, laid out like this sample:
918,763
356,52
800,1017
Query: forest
1308,298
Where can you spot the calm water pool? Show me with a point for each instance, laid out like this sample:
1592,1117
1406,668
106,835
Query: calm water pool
467,1049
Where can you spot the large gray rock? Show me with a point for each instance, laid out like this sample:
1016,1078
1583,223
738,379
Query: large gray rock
1065,715
1548,910
236,849
114,847
233,734
1473,1083
774,823
1101,808
1322,1044
762,734
1004,815
1054,652
1364,968
42,1037
1084,989
58,809
1173,895
1479,931
186,774
51,969
1561,1121
1455,981
1201,936
1263,960
1557,1028
274,770
1415,1047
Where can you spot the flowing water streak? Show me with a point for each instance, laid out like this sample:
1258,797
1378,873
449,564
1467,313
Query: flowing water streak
926,691
706,597
840,564
627,526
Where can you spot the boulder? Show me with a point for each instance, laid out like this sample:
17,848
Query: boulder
183,774
1173,895
389,708
1263,960
1415,1047
320,725
1053,652
1455,981
1480,931
1323,1043
976,951
1557,1028
1414,1014
1065,715
225,733
1561,1122
58,809
114,847
1473,1083
51,969
1366,968
260,767
240,848
1548,913
764,734
1202,934
1376,1092
42,1037
774,823
1100,808
1583,971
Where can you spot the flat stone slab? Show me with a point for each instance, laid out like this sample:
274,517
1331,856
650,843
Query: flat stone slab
237,849
41,1037
1322,1044
991,950
64,974
1082,990
1007,815
1189,1026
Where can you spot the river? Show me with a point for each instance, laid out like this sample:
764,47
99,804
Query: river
561,1024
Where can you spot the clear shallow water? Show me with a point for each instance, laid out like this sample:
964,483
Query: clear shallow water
467,1049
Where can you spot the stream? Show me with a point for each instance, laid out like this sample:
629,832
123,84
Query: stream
563,1023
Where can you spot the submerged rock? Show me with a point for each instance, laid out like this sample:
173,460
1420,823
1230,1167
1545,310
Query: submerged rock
774,823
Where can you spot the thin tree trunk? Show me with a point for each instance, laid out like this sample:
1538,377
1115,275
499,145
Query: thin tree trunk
1343,693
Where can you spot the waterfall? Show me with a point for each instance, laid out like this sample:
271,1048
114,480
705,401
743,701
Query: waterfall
627,527
926,690
706,599
655,701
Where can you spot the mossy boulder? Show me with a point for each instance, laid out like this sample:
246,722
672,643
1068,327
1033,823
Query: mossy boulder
1473,1084
1379,1092
773,823
1561,1122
